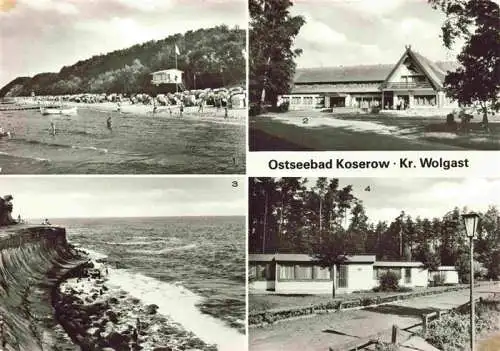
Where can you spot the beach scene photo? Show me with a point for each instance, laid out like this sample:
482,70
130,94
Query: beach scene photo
123,87
127,263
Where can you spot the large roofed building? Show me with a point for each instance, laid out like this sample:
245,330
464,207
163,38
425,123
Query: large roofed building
413,82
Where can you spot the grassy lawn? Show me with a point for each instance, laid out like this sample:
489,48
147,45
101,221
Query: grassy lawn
264,302
361,132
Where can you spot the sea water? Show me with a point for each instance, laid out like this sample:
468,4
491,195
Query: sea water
193,268
136,144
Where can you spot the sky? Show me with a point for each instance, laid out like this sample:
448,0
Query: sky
354,32
44,35
91,197
425,197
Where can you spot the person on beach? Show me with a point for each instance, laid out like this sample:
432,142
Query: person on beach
118,106
200,106
108,123
154,106
52,128
181,109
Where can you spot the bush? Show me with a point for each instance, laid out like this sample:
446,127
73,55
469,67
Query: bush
382,346
256,109
451,332
389,282
437,280
450,119
284,107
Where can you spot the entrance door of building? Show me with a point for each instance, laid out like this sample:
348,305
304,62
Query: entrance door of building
337,101
388,100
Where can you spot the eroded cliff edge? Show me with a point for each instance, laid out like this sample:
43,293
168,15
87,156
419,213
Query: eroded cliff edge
33,260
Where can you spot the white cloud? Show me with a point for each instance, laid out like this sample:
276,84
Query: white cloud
147,5
318,32
61,6
372,7
411,27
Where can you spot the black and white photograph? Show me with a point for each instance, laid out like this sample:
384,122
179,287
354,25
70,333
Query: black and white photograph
129,263
123,86
374,264
364,75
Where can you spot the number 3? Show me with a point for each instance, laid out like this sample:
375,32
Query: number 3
235,183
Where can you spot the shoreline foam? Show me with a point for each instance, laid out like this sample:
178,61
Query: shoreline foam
132,295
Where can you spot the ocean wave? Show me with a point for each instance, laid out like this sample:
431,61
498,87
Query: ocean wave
165,250
43,143
133,243
103,150
180,304
40,159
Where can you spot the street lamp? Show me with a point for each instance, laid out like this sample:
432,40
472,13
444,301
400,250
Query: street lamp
470,221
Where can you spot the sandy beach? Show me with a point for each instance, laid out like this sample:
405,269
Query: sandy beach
209,114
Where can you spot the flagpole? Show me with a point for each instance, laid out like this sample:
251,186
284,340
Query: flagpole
176,85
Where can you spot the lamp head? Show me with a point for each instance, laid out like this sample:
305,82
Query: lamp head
470,220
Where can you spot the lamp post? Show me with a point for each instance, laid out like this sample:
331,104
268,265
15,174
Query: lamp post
470,221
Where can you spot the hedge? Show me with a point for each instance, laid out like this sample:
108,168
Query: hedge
261,318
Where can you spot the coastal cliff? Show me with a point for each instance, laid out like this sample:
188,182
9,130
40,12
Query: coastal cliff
33,260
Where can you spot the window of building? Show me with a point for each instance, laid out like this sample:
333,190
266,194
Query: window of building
296,100
260,271
287,272
407,275
425,100
308,100
321,273
303,272
342,276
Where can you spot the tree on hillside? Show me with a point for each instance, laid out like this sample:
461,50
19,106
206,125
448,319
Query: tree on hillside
477,82
215,53
272,32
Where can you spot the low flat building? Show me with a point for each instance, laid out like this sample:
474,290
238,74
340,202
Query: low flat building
302,273
447,275
414,82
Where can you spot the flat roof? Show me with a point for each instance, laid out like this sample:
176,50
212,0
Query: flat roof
305,258
167,70
397,264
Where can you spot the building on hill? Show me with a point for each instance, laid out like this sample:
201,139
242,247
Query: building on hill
413,82
171,77
301,273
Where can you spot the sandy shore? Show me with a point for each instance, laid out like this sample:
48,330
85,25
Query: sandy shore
98,317
209,114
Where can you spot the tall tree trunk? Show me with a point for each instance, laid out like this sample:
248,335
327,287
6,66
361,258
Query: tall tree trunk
265,224
334,280
280,225
485,118
320,218
263,93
